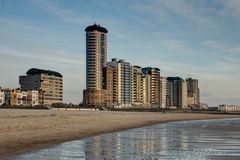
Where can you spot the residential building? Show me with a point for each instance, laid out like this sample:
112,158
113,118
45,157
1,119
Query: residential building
96,60
137,85
48,83
115,81
108,84
163,92
124,83
32,98
176,92
15,97
7,96
147,90
154,73
229,108
193,96
184,104
2,97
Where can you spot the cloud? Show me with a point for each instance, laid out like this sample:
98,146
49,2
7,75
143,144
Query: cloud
229,51
47,55
168,12
68,15
231,7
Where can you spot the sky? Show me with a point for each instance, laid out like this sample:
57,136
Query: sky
186,38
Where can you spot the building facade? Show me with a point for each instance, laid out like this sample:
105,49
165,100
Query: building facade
163,92
33,98
96,60
2,97
176,92
193,96
137,85
154,75
229,108
48,83
147,90
108,84
124,83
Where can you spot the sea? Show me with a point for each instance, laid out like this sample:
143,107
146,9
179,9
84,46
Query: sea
217,139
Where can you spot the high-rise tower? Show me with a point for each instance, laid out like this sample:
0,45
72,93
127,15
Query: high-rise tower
96,55
192,92
154,74
96,60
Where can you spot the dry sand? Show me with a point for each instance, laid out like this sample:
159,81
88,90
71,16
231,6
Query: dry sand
25,130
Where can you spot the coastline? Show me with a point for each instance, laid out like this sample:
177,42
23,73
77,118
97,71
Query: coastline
26,130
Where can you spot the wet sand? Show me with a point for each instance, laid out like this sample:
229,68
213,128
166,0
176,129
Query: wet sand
25,130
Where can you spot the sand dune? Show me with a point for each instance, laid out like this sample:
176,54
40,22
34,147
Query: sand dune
25,130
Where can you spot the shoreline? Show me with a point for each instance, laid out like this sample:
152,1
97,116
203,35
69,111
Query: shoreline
23,131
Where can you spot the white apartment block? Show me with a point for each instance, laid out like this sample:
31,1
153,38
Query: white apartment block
163,92
229,108
32,98
184,95
2,97
17,97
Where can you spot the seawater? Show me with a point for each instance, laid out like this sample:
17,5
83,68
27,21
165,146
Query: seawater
201,139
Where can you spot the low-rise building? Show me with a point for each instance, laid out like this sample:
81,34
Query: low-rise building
49,83
229,108
2,97
32,98
17,97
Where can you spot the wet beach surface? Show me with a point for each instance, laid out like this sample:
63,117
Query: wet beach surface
201,139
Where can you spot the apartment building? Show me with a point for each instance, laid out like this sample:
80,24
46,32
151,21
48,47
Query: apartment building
137,85
154,75
163,92
96,60
49,83
193,96
176,92
2,97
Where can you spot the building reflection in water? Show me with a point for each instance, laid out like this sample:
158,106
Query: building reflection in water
175,140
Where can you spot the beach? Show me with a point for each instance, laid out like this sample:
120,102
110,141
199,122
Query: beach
25,130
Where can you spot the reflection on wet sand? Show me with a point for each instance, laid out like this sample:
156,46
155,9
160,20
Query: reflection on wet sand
207,139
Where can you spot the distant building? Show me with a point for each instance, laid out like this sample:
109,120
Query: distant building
154,74
32,98
147,90
2,97
163,92
115,81
204,106
7,96
108,85
17,97
193,96
122,82
48,83
96,60
137,85
176,92
229,108
14,97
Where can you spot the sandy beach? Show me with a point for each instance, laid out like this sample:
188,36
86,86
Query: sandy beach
25,130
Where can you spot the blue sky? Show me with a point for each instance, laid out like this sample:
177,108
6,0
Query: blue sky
183,38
